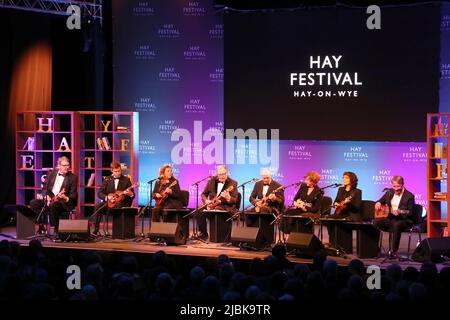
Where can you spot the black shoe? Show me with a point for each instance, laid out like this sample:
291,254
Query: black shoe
96,231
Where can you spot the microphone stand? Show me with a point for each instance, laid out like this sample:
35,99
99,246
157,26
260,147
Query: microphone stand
194,222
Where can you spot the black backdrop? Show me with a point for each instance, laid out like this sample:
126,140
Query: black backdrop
398,66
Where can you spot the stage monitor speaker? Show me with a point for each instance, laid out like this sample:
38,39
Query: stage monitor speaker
167,232
24,222
245,237
74,230
432,249
304,244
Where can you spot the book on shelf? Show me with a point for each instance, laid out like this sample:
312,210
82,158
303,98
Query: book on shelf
440,195
438,150
122,129
91,180
100,144
106,144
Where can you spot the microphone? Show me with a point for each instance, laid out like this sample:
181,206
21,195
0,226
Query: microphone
201,180
246,182
337,185
152,180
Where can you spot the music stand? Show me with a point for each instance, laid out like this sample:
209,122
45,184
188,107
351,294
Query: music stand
219,227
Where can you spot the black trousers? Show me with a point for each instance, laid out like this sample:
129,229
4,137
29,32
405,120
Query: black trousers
289,225
55,210
396,226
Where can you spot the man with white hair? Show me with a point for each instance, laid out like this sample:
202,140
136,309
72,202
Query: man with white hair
265,200
218,185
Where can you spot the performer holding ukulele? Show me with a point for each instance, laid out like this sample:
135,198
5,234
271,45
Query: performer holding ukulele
347,204
108,192
166,193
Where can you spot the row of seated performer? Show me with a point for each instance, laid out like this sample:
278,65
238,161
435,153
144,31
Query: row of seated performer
220,193
267,197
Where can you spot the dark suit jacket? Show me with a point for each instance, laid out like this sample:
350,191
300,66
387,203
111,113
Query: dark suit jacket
108,187
210,192
173,200
257,193
315,197
70,184
355,204
407,202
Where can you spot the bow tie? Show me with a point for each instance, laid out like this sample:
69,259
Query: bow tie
60,174
266,184
116,178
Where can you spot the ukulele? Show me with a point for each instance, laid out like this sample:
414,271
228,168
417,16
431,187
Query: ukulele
300,204
265,200
164,195
215,200
341,206
56,198
116,197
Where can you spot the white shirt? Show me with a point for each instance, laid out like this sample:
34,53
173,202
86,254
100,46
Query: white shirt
265,189
219,187
58,184
396,200
116,183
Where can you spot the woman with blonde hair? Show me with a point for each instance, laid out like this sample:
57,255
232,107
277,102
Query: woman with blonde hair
166,192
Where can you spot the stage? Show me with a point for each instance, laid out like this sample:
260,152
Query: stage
209,250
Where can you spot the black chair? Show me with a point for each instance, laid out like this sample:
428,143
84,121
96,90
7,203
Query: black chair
325,209
367,210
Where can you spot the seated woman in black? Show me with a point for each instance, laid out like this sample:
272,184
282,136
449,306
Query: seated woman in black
167,188
307,200
347,204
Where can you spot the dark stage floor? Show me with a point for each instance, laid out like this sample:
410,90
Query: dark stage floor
212,250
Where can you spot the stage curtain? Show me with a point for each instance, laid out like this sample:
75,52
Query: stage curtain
31,82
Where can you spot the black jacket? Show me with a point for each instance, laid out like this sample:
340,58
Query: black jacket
315,197
257,193
210,192
354,205
173,200
70,185
407,202
108,187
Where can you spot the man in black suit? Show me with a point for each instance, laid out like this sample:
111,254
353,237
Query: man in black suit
115,182
59,192
401,211
274,205
218,185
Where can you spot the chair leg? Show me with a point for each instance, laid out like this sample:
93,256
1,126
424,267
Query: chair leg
409,244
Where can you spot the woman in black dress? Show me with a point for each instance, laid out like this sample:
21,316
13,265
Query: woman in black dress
307,200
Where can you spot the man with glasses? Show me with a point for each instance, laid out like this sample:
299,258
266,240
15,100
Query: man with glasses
59,193
218,186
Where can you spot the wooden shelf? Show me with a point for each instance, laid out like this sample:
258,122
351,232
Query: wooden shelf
437,123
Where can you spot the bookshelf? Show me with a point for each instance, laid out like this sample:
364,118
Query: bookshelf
105,137
438,198
41,138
